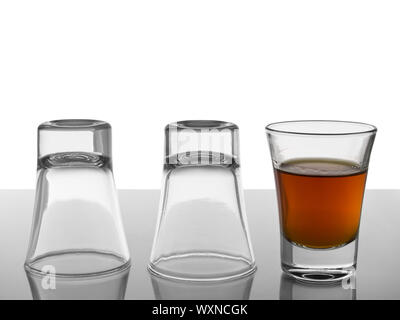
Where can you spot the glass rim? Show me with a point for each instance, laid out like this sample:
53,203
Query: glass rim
202,124
369,128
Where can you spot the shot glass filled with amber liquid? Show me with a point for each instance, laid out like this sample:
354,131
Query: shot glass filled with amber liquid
320,173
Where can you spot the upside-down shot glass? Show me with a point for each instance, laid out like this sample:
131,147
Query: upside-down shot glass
202,232
77,229
320,174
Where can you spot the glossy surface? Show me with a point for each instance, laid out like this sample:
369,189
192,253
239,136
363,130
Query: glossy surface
378,262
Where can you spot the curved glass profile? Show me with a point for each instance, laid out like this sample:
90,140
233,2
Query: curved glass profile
77,228
202,231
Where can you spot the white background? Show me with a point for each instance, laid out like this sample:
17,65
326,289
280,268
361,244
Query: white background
142,64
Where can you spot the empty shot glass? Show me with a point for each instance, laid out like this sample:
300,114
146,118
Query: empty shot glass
77,228
320,173
202,231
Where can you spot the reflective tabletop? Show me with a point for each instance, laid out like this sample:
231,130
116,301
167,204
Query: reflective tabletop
377,272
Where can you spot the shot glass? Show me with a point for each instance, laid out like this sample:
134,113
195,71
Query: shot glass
202,232
320,174
77,229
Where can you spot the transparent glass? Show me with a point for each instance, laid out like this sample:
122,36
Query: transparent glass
320,173
170,289
100,287
77,228
202,231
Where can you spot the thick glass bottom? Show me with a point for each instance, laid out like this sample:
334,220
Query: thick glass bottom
318,265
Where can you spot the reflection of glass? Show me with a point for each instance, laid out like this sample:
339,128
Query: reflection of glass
320,172
103,287
292,289
77,228
202,229
171,289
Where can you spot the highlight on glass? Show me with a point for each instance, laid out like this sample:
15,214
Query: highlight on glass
320,174
77,229
202,232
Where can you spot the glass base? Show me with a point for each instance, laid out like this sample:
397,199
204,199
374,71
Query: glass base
77,263
202,267
318,265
